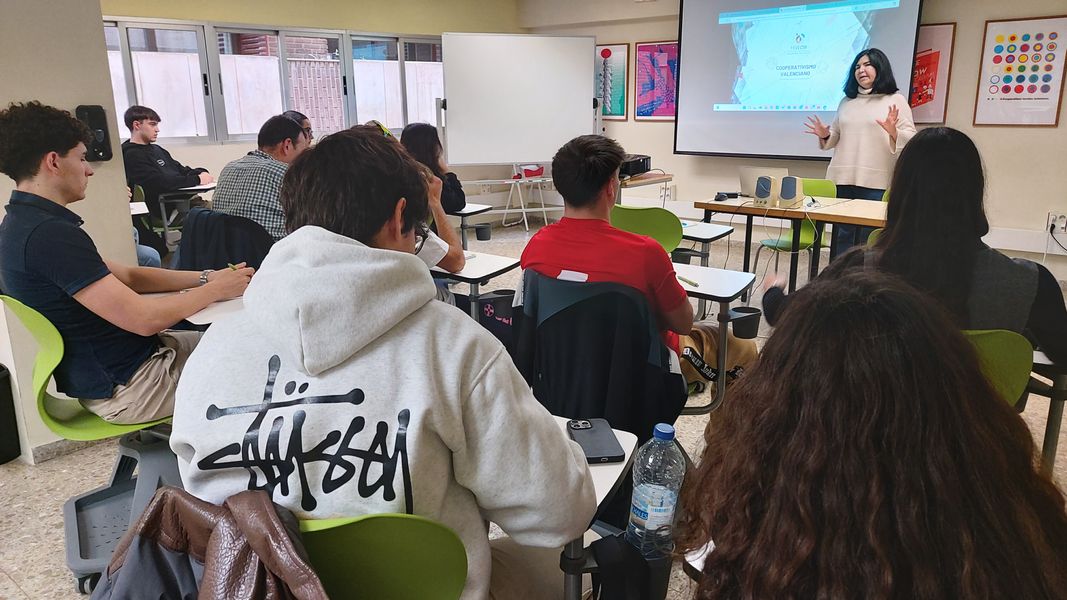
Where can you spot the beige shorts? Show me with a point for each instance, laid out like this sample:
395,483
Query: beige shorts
525,573
149,394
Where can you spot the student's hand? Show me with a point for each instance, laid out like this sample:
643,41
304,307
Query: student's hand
129,193
206,178
890,122
230,283
433,190
772,280
817,128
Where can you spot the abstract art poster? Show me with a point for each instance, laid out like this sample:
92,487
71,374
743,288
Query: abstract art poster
612,74
1020,79
932,72
655,81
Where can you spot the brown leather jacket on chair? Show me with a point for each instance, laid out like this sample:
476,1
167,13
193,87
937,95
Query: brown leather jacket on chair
183,547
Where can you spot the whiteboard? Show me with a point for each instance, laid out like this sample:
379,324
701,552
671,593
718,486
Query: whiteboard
515,98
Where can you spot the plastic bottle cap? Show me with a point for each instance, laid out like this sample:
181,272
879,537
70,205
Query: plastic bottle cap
663,431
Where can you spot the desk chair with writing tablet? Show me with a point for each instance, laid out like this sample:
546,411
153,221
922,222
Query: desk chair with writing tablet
94,521
657,223
784,243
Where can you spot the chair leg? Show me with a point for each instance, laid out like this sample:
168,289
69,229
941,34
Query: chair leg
777,256
755,263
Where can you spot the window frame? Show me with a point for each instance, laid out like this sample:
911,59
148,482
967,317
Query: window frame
417,39
211,66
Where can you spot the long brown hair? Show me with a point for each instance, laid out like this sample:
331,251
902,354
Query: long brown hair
865,456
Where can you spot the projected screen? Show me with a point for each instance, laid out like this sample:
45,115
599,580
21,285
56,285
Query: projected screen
751,71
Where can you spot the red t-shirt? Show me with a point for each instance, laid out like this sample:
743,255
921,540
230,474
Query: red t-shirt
593,250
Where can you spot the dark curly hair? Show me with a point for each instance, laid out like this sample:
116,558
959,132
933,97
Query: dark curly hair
350,182
865,456
29,131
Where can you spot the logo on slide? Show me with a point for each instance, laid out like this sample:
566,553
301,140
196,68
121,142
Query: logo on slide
799,39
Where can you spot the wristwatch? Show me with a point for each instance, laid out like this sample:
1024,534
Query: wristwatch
204,274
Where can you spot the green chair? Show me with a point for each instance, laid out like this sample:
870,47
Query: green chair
784,243
873,237
90,518
395,556
1007,359
657,223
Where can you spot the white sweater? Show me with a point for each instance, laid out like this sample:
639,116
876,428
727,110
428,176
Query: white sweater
864,155
344,389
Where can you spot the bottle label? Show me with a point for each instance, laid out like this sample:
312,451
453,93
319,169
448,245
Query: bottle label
652,507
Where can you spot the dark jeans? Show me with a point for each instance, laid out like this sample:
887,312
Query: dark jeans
847,236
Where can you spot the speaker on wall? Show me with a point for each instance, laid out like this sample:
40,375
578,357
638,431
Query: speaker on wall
791,194
96,119
766,191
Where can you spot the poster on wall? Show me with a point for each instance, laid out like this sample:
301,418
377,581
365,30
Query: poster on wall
932,71
1020,79
612,75
655,81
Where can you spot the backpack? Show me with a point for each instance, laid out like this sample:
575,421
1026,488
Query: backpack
700,356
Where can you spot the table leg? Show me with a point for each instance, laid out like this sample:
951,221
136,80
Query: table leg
463,230
705,251
724,328
816,252
507,207
474,301
522,207
574,552
541,194
794,256
1053,423
748,250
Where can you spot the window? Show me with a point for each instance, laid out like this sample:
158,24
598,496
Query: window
170,77
118,73
423,80
251,76
315,85
376,77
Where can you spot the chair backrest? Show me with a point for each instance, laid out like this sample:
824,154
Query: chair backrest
824,188
212,240
396,556
657,223
137,194
873,237
66,418
1007,359
885,195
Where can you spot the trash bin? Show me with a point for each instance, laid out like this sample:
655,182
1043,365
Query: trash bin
9,429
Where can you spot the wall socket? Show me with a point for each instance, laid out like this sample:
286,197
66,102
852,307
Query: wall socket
1058,219
484,189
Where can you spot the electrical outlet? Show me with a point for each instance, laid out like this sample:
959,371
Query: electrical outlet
484,189
1057,220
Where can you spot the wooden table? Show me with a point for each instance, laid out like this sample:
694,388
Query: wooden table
838,211
478,270
466,212
722,286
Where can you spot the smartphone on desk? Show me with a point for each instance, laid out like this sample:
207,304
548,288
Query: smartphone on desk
597,440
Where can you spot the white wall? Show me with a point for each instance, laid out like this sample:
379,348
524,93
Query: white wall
54,52
1025,173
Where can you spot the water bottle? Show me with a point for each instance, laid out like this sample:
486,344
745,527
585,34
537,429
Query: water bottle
658,471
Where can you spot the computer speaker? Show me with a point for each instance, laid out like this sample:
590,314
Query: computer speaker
791,193
766,191
96,119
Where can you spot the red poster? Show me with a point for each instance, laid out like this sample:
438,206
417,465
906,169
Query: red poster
924,79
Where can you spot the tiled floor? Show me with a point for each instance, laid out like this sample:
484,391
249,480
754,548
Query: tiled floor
32,563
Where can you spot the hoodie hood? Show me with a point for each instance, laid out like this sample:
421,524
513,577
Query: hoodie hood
321,297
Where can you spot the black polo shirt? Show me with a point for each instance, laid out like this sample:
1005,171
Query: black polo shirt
46,258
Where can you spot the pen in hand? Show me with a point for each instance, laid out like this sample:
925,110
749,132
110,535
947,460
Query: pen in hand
232,266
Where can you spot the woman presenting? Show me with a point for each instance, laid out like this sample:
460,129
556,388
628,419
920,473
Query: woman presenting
872,124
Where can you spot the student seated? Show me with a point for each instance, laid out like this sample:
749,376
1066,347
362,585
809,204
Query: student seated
119,358
348,390
583,246
248,187
933,240
865,456
149,165
422,141
301,120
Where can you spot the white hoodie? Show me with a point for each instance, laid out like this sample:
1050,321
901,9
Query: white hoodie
357,393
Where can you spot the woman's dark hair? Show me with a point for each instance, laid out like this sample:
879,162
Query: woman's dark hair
29,131
865,456
935,220
349,183
884,82
423,143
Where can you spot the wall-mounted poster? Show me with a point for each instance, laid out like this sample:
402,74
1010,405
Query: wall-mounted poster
1020,79
932,71
655,81
612,74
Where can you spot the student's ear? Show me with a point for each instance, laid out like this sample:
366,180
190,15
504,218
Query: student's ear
398,217
50,162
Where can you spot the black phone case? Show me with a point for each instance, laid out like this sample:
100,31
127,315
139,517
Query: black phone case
598,441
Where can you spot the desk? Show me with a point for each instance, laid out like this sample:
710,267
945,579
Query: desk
479,269
648,178
722,286
180,200
464,213
705,233
841,211
209,314
1057,395
606,480
515,187
138,208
